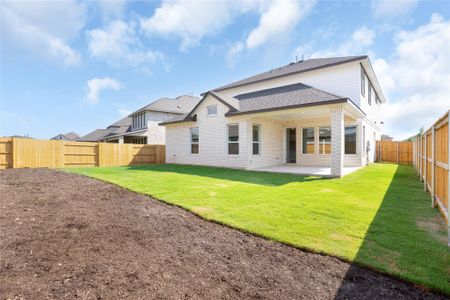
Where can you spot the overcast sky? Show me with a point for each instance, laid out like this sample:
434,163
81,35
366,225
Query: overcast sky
77,66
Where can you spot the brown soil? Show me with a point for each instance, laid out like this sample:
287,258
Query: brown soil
66,236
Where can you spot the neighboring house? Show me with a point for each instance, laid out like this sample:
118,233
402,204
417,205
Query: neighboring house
141,127
70,136
315,113
385,137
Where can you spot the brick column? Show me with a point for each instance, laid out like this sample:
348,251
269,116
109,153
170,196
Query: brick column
337,141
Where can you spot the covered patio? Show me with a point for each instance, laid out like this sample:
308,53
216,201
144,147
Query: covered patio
301,170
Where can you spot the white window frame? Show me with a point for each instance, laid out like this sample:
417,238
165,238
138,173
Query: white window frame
318,136
258,141
369,94
232,142
194,143
314,149
207,110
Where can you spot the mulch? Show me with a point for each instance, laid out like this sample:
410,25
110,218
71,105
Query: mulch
66,236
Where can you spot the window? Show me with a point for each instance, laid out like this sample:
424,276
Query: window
308,140
370,94
139,120
233,139
350,140
256,134
194,140
325,140
363,82
211,110
139,140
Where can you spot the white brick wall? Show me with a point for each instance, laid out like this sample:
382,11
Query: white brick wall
213,146
337,141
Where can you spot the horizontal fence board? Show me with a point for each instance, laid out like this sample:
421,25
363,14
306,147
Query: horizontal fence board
31,153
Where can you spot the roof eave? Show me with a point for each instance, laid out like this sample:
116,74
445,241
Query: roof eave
328,102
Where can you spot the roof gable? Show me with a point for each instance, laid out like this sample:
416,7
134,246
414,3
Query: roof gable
293,68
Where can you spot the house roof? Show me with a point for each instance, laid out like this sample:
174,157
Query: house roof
278,98
293,68
72,136
96,135
283,97
180,105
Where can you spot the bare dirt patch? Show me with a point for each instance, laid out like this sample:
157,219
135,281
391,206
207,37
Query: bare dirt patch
68,236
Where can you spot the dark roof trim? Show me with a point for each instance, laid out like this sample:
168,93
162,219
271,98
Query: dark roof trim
185,120
297,72
156,110
336,101
216,97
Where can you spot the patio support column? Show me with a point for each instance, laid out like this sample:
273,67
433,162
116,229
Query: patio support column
121,138
337,141
359,141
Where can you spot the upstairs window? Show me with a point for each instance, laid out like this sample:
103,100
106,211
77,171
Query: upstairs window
325,140
256,137
370,94
211,110
233,139
194,140
308,140
350,140
363,82
139,120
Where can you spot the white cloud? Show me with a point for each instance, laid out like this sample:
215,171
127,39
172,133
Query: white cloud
111,9
416,78
392,9
44,27
119,44
360,41
189,20
193,20
96,85
279,18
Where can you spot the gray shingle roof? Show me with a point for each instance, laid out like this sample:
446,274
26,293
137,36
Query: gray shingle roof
180,105
283,97
95,135
72,136
293,68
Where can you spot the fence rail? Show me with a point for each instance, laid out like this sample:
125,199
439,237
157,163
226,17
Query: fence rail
432,161
30,153
395,152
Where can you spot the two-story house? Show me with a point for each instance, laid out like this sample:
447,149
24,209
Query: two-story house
141,126
318,116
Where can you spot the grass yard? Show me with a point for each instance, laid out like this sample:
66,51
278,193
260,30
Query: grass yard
378,216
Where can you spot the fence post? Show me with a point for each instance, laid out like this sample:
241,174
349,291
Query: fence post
425,167
448,176
432,166
13,153
100,155
397,152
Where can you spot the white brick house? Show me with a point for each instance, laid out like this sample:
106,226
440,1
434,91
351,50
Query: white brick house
314,113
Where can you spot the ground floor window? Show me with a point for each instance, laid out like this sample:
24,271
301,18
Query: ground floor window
194,140
324,140
256,134
350,140
233,139
139,140
308,140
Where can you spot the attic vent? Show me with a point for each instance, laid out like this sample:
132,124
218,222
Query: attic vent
178,106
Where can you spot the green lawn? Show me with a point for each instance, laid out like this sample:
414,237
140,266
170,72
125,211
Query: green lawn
378,216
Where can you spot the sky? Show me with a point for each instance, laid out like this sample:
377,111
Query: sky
82,65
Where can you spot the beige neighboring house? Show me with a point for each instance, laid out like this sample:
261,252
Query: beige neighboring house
318,116
141,127
70,136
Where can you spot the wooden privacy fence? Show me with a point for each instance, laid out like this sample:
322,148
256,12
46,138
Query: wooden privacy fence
432,161
30,153
395,152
